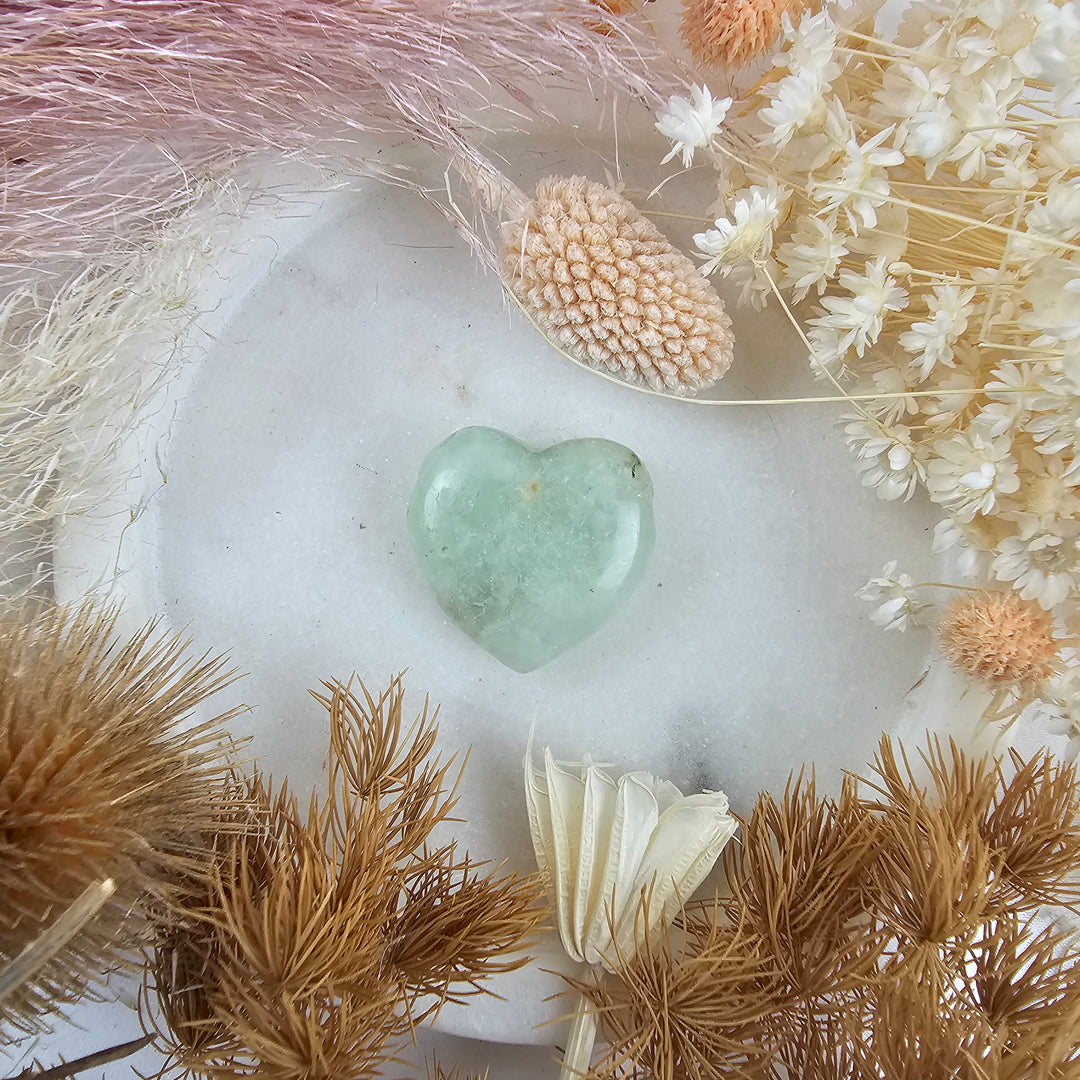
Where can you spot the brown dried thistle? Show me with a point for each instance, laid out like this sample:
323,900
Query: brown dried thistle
328,933
102,774
911,1035
1026,988
435,1070
1033,825
932,886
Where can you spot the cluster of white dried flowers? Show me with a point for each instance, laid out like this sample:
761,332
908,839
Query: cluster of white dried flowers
921,197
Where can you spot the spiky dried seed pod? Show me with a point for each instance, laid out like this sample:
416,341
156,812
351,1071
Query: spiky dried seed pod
606,284
999,638
101,774
734,32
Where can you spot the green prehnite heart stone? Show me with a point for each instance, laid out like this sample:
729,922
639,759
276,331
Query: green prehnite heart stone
530,551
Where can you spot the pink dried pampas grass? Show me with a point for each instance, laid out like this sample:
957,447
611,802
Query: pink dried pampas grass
105,106
116,119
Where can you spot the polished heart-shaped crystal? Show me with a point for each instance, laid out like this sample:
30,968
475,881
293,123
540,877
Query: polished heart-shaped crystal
530,551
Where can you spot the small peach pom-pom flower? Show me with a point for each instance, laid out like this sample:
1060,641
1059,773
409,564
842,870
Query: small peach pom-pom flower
734,32
999,638
607,286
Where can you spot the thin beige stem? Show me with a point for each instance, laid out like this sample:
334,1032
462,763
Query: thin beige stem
90,1061
40,951
984,332
944,585
821,399
579,1046
961,219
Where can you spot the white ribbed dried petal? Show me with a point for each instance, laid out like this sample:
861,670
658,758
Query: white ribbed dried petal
600,843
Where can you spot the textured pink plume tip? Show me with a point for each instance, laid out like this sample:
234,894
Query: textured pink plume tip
606,285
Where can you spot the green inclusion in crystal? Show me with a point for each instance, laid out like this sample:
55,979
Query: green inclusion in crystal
530,551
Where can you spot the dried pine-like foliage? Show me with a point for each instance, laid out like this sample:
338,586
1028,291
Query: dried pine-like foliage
327,932
101,776
884,934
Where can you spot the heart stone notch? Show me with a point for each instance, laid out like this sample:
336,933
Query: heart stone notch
530,551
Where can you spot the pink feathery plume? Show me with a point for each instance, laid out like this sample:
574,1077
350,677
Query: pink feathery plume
105,104
121,124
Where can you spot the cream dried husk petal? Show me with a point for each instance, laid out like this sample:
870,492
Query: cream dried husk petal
601,842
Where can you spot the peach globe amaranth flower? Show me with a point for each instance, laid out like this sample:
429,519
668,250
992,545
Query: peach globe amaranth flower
734,32
999,638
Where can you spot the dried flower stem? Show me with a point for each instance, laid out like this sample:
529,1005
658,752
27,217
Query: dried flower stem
39,952
89,1061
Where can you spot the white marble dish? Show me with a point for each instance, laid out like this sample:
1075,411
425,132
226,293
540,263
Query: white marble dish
268,518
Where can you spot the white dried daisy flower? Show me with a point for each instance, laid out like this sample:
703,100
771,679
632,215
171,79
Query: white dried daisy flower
862,185
1055,424
954,539
1053,55
692,123
982,110
897,605
1042,562
1052,221
895,403
1053,293
811,46
858,317
1060,710
969,472
811,257
958,391
828,357
796,107
885,459
932,134
931,341
748,233
907,89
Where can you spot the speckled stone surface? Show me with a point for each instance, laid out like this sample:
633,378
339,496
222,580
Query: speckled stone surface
530,551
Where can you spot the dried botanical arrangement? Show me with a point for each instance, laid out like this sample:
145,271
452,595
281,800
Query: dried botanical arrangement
326,934
890,931
919,198
106,787
121,133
